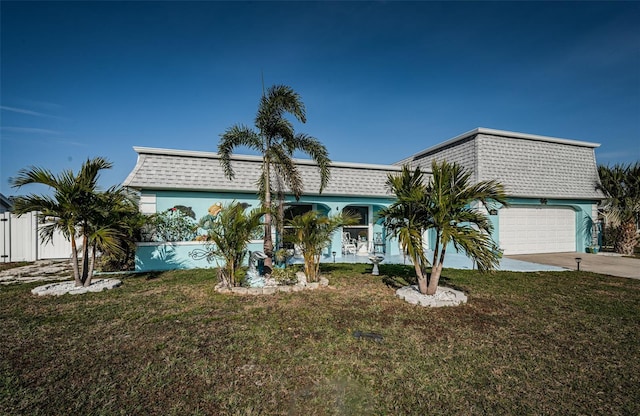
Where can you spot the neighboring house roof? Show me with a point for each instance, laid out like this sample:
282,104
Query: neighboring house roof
528,165
168,169
5,204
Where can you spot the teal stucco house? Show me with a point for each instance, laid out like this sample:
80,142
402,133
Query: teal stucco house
551,183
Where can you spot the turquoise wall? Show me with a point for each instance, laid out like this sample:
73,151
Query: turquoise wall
584,221
176,255
171,256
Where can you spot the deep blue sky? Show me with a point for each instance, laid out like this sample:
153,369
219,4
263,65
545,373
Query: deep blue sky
380,80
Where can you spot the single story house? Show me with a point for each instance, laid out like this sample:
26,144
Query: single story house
551,184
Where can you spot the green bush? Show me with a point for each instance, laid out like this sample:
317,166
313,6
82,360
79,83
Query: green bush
285,276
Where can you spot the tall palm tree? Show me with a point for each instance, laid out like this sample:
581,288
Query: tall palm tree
621,186
444,203
276,140
71,209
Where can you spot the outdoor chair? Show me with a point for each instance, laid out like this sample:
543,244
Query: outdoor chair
348,244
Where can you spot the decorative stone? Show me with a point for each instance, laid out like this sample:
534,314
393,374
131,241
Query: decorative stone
268,290
284,288
61,288
444,296
254,291
302,278
239,290
313,285
324,281
297,288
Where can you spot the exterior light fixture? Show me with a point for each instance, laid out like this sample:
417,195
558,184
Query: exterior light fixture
333,253
578,260
493,212
544,201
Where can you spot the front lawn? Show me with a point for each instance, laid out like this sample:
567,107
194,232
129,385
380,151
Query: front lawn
559,343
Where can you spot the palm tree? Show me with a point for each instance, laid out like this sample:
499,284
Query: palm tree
276,140
621,186
115,228
408,218
71,210
445,204
312,232
229,234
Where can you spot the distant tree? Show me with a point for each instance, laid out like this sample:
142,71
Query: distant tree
443,203
621,186
276,140
312,232
77,209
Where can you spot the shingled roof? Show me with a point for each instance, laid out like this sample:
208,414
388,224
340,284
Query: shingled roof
169,169
528,165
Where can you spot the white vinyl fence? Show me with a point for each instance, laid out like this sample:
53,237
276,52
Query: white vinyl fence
20,240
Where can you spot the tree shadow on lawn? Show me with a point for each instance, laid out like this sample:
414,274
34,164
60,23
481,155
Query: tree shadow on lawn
396,276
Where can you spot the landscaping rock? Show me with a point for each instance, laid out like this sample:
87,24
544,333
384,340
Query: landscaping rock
444,297
302,278
69,286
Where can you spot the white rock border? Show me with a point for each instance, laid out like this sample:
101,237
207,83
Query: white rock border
445,296
270,290
61,288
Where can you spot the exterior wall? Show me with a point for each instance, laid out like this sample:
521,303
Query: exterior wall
167,256
176,255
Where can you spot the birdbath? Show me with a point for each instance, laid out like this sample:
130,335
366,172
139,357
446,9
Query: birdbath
376,260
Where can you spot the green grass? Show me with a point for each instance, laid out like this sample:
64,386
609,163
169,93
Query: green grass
563,343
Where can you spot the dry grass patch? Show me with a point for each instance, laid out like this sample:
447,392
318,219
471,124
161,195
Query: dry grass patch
526,343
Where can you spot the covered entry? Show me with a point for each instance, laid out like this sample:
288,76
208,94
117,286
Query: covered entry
539,229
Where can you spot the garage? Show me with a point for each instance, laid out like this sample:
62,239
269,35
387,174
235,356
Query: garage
540,229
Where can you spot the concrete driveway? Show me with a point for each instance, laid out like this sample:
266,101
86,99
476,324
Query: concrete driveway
597,263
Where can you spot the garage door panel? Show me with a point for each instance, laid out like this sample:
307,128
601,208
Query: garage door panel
528,230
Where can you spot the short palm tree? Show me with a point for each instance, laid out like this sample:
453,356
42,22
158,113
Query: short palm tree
621,186
312,232
228,236
443,203
277,142
73,209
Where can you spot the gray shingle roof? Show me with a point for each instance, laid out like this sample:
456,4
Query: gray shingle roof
201,171
528,165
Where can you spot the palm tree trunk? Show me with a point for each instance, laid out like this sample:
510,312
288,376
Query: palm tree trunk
87,282
268,241
74,261
422,278
85,259
626,242
436,271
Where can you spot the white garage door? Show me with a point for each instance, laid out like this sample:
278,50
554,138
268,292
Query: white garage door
528,230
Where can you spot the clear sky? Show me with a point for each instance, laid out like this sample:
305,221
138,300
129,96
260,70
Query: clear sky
380,80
